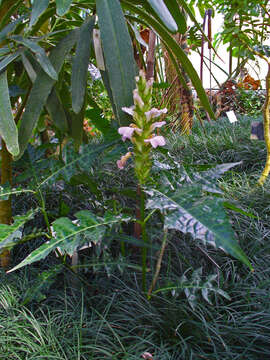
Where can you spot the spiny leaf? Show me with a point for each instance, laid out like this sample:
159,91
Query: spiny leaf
203,217
80,64
68,236
10,233
8,128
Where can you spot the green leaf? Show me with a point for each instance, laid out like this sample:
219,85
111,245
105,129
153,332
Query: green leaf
42,285
203,217
9,234
10,28
56,111
69,236
164,14
41,90
118,54
8,128
9,58
177,14
39,7
40,55
62,6
80,64
79,162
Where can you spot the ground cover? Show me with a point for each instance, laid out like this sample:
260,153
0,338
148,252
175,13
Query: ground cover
47,313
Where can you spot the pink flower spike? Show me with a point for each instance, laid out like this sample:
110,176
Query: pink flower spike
126,132
147,356
153,113
156,141
129,110
157,124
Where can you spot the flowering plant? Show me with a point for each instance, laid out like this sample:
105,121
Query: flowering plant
142,131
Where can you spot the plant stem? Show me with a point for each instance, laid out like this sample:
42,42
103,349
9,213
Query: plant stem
144,238
266,125
158,266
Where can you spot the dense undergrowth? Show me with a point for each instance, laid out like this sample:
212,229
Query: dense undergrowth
106,316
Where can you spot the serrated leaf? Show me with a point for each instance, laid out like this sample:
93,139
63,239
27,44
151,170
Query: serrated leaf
79,162
42,284
10,233
118,54
8,128
165,16
38,8
40,54
41,90
80,64
69,235
203,217
62,6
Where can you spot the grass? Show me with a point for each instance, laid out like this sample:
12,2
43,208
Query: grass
112,319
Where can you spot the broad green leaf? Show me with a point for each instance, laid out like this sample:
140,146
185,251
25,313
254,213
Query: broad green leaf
38,8
56,111
6,191
68,236
118,54
177,14
10,28
9,58
8,128
40,54
80,64
41,90
178,53
9,234
62,6
203,217
162,11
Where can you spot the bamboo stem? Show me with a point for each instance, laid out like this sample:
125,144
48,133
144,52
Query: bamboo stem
158,266
266,125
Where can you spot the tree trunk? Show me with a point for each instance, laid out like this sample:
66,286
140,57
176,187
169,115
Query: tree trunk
179,99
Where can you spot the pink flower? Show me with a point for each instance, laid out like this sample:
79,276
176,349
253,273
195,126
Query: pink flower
157,125
127,132
129,110
147,356
153,113
137,99
156,141
122,162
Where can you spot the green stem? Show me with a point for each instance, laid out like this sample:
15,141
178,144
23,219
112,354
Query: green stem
144,238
